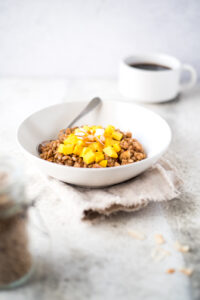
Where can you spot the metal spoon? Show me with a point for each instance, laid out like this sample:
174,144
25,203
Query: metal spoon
90,106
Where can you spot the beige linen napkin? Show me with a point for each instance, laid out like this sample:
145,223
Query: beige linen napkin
159,183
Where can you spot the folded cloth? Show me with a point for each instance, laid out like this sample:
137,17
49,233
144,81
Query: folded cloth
159,183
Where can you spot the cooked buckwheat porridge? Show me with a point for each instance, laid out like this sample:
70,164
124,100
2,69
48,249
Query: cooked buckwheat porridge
93,147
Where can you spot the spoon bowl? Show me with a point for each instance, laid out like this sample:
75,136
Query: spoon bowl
90,106
146,126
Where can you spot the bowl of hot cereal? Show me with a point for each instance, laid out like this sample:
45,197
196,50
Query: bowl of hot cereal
115,142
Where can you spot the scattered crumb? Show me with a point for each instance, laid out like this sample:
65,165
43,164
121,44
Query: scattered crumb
170,271
159,239
181,248
186,271
137,234
159,253
114,225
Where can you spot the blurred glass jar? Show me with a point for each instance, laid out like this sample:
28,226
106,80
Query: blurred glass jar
16,263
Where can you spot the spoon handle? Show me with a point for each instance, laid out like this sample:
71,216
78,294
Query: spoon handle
91,105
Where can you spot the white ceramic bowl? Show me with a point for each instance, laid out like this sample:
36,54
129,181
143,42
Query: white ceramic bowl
149,128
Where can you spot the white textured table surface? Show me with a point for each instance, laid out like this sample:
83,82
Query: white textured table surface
101,261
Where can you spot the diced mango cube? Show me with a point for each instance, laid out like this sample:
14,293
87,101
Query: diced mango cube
95,147
110,152
108,141
99,156
89,157
60,148
103,163
109,130
117,135
71,139
84,151
116,147
66,149
77,150
80,142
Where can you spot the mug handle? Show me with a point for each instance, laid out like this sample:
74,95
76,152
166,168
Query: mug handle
193,78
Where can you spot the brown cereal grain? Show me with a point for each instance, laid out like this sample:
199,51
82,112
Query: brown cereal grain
131,151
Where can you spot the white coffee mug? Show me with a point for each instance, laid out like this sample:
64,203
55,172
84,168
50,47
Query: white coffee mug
153,85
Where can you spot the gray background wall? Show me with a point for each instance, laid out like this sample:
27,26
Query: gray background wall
85,38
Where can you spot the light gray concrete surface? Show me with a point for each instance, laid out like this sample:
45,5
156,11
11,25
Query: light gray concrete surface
87,38
101,261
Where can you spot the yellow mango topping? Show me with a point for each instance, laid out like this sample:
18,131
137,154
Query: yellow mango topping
117,135
99,156
60,148
80,143
109,130
95,147
103,163
110,152
77,150
66,149
108,142
116,147
89,157
84,151
71,139
91,143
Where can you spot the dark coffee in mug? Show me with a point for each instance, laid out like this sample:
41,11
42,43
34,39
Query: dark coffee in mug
144,77
149,66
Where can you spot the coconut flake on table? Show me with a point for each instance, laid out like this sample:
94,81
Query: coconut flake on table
186,271
181,248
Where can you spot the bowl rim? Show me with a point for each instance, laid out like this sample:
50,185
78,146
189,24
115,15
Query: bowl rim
56,165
